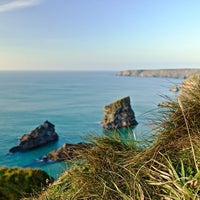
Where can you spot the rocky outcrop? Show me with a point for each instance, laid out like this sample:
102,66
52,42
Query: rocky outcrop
66,152
42,135
119,114
163,73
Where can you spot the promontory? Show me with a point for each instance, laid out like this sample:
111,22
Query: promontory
163,73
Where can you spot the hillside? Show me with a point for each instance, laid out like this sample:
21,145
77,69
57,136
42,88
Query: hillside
165,73
166,166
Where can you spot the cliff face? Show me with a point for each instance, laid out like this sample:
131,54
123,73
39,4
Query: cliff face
165,73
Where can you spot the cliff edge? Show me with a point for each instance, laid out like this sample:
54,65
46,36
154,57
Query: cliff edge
163,73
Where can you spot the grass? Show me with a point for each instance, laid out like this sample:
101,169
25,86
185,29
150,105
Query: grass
121,169
16,183
176,182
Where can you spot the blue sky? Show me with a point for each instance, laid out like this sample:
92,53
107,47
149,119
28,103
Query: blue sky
99,34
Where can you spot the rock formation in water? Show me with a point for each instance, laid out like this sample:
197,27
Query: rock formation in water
119,114
66,152
42,135
175,88
163,73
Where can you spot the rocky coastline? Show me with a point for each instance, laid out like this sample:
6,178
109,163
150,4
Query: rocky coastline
116,115
162,73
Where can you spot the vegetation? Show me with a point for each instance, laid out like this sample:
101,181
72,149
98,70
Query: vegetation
16,183
117,168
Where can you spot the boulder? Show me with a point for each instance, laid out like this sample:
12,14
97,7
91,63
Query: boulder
42,135
66,152
175,88
119,114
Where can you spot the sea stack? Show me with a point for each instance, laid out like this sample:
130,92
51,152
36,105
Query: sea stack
40,136
119,114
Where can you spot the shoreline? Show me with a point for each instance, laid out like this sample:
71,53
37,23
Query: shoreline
162,73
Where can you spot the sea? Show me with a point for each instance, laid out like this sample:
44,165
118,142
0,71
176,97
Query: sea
73,101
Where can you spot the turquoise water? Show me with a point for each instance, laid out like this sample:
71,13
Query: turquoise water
73,102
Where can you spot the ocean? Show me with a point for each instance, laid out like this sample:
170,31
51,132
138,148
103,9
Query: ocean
73,101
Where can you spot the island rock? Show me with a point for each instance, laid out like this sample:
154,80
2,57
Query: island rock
42,135
119,114
66,152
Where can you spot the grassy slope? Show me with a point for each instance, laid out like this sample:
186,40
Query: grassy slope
117,168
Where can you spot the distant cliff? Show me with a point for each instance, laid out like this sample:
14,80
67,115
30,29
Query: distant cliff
165,73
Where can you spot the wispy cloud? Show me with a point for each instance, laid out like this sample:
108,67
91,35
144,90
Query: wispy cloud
18,4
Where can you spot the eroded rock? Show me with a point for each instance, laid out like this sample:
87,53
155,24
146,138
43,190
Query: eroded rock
119,114
66,152
40,136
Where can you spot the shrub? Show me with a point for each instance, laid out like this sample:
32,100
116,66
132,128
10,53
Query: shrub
17,182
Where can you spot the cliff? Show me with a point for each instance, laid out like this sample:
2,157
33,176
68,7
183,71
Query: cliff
164,73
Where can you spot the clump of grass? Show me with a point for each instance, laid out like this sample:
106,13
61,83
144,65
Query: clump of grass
16,183
177,134
116,169
175,182
101,175
177,127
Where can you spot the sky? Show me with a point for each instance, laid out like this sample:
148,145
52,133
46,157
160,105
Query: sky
99,34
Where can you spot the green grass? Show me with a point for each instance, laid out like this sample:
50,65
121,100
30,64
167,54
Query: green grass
16,183
176,182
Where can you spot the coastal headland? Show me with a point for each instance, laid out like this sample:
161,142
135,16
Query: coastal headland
163,73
